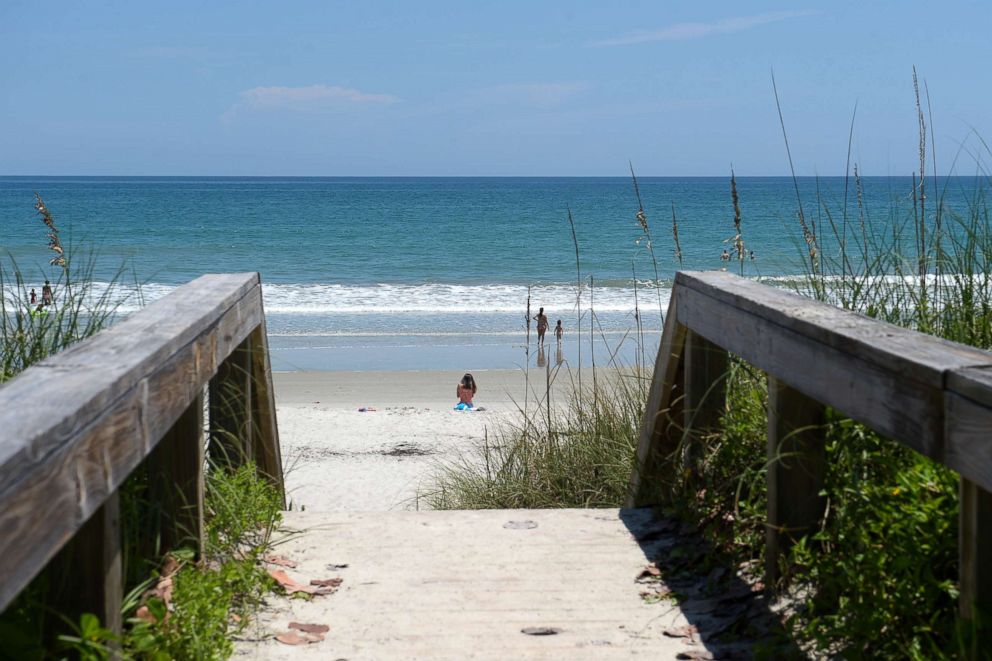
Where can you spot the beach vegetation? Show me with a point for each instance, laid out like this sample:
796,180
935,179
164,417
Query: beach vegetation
579,455
216,597
32,330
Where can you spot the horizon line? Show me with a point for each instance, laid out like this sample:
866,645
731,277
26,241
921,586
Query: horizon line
454,176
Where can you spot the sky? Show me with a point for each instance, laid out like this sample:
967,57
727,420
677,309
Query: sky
471,88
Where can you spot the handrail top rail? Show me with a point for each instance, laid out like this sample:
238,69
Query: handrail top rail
75,426
904,351
930,394
48,403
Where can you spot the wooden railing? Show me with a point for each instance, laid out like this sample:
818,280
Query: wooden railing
75,426
929,394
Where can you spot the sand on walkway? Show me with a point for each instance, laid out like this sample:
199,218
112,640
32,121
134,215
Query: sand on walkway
338,458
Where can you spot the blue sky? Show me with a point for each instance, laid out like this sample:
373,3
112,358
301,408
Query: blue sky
472,88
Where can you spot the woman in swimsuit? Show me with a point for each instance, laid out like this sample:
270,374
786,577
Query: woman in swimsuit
466,390
542,325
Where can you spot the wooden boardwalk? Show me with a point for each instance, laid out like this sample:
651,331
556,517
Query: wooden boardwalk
467,584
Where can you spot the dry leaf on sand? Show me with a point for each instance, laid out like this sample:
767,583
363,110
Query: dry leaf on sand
294,638
280,560
327,582
309,628
686,631
317,586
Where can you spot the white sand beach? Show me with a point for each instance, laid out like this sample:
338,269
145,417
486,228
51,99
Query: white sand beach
338,458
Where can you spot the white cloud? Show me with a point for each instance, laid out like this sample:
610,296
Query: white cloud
309,97
685,31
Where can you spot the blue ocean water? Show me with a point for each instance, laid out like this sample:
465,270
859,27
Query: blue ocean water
421,273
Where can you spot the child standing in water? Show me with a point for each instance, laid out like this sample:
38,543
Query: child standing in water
466,391
558,332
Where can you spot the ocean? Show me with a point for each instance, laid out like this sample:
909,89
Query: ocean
433,273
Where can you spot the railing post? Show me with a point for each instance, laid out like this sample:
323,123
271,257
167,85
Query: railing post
705,400
975,560
231,408
175,470
796,469
661,425
86,573
264,431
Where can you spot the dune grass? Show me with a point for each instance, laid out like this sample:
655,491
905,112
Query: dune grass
581,456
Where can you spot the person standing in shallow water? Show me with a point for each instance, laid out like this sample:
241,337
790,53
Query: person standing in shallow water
559,331
46,294
542,325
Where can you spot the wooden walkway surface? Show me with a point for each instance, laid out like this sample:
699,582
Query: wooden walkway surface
466,584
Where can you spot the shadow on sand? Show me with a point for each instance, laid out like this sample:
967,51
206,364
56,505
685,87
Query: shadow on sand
728,616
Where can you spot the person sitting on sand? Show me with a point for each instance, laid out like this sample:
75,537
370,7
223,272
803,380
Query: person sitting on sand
542,325
466,390
559,331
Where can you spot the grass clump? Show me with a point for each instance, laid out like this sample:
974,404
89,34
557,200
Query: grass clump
581,456
79,308
215,598
885,557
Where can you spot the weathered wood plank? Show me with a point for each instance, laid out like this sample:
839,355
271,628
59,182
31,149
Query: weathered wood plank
86,576
974,552
975,383
53,400
969,438
73,431
231,410
892,402
175,472
659,433
705,401
895,350
796,469
460,585
265,431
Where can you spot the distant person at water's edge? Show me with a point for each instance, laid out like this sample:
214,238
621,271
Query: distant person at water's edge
34,297
542,325
466,391
46,294
559,331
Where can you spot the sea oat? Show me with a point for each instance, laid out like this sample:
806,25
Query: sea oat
54,243
675,235
737,241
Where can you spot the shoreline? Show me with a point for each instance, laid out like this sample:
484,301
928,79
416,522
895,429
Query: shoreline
449,353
